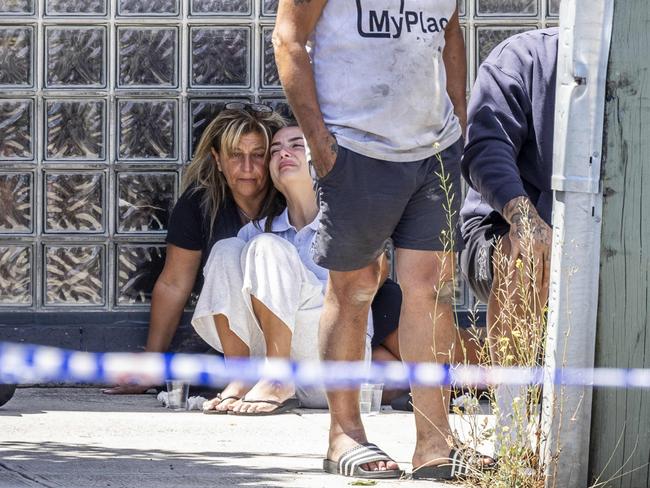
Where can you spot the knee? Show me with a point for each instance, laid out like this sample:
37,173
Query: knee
356,288
437,289
268,245
225,251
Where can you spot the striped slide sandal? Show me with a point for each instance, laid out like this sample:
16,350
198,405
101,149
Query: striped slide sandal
351,461
461,464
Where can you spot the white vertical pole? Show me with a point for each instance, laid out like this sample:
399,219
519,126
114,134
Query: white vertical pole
585,33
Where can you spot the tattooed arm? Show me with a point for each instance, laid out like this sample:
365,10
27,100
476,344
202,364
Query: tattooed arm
529,233
295,22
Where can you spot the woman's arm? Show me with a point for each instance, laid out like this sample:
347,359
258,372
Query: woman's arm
170,294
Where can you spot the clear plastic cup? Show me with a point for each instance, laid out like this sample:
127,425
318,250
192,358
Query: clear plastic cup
370,398
177,393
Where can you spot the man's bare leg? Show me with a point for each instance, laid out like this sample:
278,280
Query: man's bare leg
277,337
342,336
233,347
426,334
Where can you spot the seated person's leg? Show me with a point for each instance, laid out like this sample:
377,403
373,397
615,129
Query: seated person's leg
232,347
282,292
385,343
223,319
508,291
277,337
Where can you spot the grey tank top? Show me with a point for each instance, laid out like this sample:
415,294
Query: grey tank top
380,77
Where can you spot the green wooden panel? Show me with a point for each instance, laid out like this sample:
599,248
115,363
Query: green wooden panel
620,433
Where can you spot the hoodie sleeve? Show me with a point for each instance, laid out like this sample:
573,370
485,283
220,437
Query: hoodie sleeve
498,126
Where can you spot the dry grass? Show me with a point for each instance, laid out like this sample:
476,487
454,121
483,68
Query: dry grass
517,336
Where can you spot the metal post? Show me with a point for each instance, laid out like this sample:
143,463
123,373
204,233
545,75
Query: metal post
585,32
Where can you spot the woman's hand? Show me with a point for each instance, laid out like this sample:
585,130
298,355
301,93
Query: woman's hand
170,294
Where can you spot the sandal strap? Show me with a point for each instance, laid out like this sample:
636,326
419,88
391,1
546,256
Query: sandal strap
359,455
270,402
231,397
465,461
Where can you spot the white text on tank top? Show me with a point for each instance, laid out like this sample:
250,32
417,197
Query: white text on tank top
380,77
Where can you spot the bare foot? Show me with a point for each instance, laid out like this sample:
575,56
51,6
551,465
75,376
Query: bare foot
227,398
128,389
341,442
264,390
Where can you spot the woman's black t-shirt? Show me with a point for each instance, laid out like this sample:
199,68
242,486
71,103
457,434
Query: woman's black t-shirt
189,224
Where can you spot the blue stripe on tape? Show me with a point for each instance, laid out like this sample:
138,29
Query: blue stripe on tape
20,363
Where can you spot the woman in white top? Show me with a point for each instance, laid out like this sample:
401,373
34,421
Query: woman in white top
263,293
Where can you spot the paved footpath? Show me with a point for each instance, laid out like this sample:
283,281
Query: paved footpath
80,438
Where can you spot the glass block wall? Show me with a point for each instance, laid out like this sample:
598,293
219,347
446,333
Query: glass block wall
101,104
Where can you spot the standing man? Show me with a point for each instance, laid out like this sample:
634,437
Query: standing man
508,163
378,87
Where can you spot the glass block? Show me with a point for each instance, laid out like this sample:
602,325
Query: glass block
145,201
270,77
16,124
220,56
15,203
74,275
507,7
147,56
554,8
488,38
73,202
16,6
75,7
269,7
147,129
149,7
202,112
462,9
15,275
75,129
75,56
16,56
220,7
138,268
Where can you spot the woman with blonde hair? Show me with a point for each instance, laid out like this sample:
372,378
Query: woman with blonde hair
226,185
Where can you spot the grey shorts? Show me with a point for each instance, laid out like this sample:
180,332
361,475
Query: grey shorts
480,235
366,201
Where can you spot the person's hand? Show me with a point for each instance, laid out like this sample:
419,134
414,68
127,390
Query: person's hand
323,153
530,237
128,389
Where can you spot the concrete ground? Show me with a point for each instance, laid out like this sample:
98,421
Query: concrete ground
80,438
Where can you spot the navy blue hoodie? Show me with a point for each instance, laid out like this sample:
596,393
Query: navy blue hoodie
509,150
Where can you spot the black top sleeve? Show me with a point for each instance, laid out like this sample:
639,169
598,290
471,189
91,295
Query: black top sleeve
186,223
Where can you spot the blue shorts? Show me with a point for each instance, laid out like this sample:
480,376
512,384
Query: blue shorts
366,201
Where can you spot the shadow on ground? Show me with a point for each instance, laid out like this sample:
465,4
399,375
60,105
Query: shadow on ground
50,463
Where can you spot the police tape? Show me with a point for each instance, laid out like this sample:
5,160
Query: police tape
29,364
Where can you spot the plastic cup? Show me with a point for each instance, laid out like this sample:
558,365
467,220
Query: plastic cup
177,392
370,398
